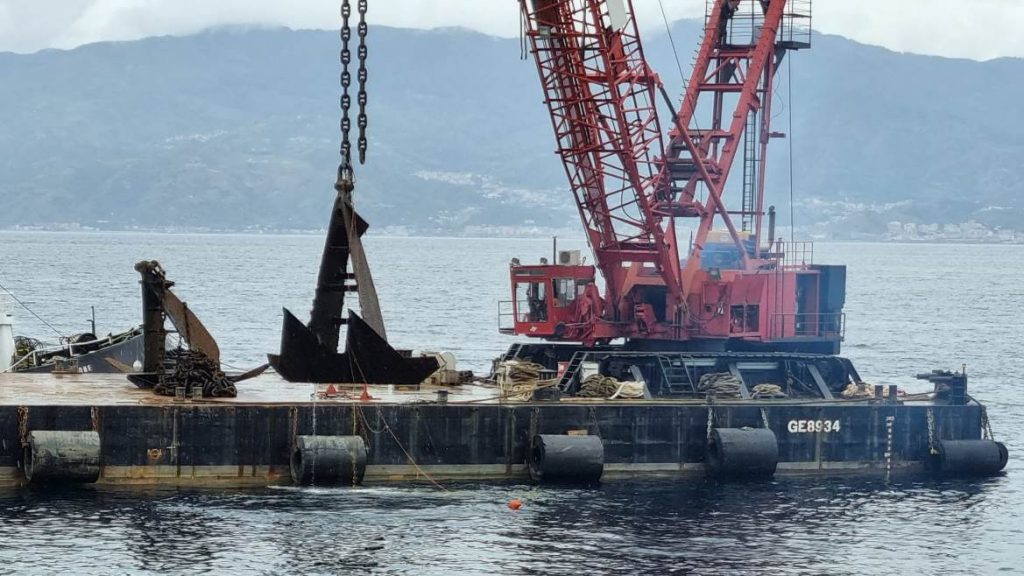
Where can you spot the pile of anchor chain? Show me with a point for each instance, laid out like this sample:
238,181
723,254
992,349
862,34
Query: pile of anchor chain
346,81
194,369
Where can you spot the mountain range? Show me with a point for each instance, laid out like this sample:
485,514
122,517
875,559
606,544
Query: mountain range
237,129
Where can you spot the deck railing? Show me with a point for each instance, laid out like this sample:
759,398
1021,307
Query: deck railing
792,255
506,317
807,325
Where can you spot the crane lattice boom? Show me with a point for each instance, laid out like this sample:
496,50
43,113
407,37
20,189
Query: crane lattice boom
633,186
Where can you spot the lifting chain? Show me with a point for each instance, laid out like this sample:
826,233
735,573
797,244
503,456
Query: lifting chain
361,120
346,83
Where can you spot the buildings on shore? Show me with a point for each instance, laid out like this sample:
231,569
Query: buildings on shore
970,231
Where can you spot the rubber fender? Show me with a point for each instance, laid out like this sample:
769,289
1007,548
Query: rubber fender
968,457
63,456
328,460
742,453
564,458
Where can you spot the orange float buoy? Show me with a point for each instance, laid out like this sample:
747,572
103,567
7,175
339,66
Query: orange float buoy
515,504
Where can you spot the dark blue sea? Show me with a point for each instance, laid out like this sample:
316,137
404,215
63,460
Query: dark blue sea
910,308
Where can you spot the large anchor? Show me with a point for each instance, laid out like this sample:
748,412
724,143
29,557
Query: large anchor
309,352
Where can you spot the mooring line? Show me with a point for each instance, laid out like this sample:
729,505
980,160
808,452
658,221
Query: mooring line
412,461
31,311
387,426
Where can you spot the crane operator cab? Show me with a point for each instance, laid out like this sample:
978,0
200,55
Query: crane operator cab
545,296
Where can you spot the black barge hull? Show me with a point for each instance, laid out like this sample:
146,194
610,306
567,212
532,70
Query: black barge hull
410,436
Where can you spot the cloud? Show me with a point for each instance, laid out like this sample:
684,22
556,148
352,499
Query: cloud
979,29
131,19
27,25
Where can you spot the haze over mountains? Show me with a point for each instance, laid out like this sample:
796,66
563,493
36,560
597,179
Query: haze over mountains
238,129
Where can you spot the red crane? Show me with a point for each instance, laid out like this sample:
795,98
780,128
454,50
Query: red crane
634,185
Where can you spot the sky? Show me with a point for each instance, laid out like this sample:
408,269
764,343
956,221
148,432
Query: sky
977,29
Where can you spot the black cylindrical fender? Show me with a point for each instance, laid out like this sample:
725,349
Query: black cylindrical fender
564,458
968,457
328,460
62,456
742,453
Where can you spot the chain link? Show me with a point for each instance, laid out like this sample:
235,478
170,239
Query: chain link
931,432
889,422
346,81
711,418
23,425
362,121
986,426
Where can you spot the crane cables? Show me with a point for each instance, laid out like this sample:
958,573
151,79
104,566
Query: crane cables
789,140
672,41
346,82
32,312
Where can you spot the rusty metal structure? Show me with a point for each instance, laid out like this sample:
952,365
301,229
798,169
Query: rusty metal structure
195,362
159,304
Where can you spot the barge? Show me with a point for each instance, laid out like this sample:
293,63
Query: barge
720,362
99,428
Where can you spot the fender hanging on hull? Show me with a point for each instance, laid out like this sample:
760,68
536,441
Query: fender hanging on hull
62,456
968,457
566,459
742,453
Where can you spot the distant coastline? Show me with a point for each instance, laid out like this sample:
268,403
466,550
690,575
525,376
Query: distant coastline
496,232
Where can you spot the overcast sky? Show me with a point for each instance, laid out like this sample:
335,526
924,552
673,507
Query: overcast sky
979,29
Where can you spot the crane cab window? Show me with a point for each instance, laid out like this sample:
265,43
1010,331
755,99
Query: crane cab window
532,301
565,290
